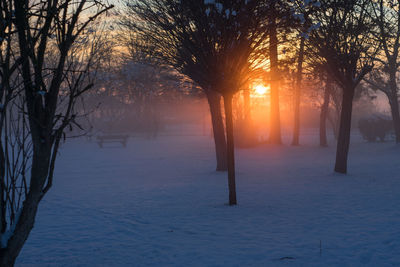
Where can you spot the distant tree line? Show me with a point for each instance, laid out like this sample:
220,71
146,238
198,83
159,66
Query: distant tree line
53,59
221,45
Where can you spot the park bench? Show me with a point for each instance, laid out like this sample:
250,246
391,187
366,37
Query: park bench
101,139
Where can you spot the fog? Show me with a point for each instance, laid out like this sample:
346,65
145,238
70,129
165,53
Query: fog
199,133
182,109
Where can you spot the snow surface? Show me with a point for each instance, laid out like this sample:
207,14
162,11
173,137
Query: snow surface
159,203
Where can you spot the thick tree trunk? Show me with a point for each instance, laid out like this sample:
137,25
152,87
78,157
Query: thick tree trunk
275,127
343,143
3,223
214,101
26,220
394,107
323,140
231,149
394,103
297,95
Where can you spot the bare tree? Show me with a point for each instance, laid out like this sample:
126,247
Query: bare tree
9,91
130,96
50,88
215,43
304,26
17,162
343,40
298,85
275,121
386,16
323,140
157,29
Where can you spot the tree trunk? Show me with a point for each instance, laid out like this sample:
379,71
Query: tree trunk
231,149
3,223
343,143
26,219
323,140
299,76
394,103
246,105
394,107
214,101
246,133
275,127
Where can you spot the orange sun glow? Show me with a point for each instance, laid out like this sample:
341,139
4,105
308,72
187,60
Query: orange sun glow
260,89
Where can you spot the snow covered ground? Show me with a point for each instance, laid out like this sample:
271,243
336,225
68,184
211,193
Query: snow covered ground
159,203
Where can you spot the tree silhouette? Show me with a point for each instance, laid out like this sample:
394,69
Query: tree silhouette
215,43
55,60
343,41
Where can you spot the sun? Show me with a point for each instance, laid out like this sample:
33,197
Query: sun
260,89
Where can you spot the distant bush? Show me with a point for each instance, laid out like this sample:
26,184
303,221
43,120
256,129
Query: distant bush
374,127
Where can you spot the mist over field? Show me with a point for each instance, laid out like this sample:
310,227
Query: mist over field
199,133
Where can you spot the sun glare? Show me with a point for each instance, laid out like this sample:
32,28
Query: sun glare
260,89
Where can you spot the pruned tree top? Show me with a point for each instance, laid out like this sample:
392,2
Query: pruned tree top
343,38
215,43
